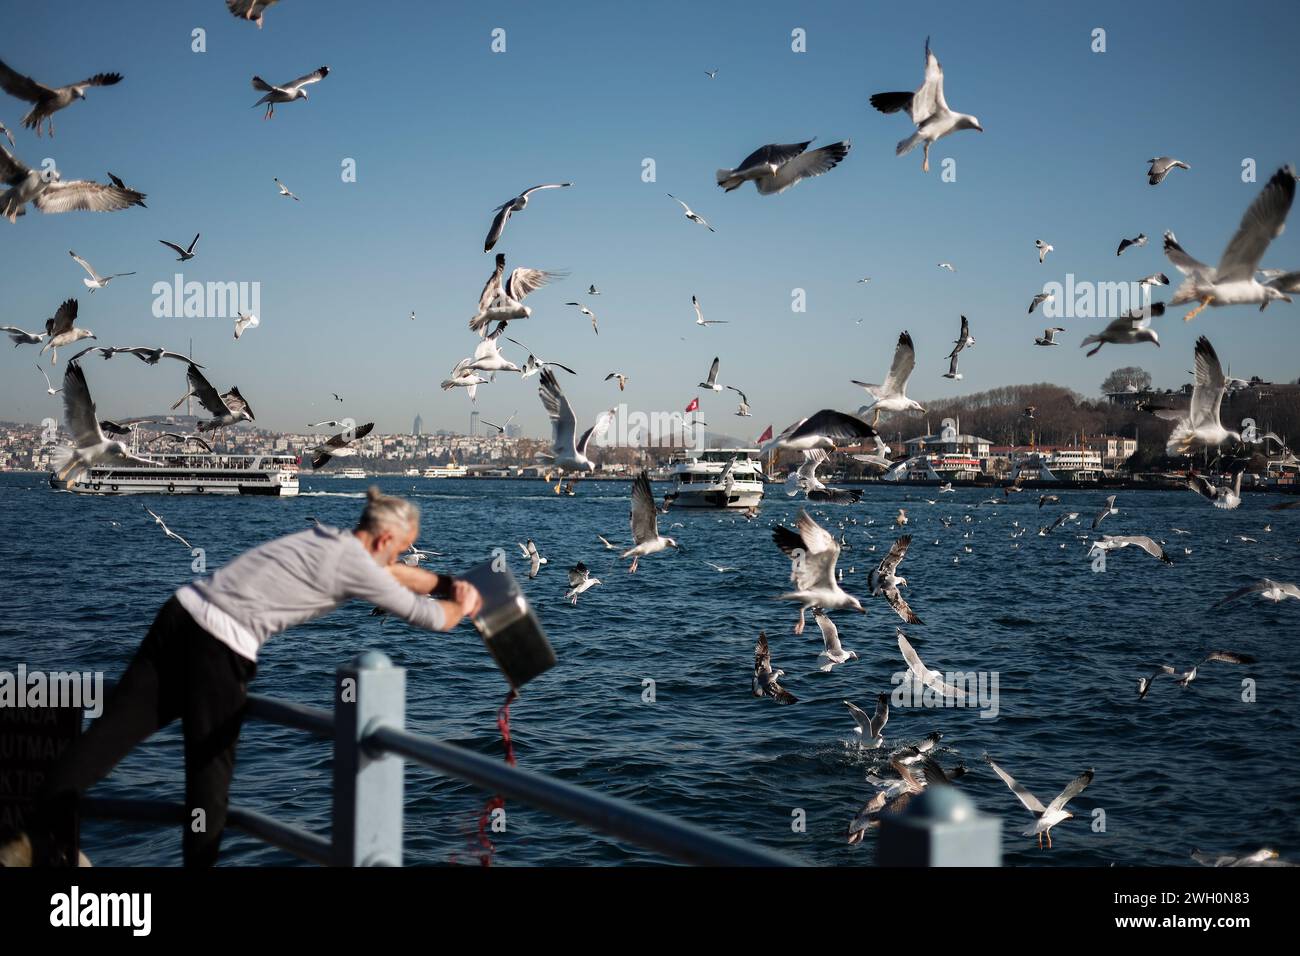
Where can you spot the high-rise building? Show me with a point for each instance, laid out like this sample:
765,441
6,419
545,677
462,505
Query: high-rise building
513,430
417,427
473,422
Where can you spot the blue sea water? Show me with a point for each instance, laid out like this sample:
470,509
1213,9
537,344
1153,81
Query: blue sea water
1183,769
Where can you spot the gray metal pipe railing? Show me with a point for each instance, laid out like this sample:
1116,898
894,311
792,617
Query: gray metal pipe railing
647,828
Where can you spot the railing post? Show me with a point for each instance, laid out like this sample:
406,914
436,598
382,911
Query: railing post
368,799
940,827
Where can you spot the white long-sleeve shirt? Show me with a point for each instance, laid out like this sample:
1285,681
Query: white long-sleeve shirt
294,579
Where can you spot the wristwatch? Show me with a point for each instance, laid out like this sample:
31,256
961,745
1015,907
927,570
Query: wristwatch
442,590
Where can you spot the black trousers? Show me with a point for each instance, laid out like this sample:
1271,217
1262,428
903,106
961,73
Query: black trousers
180,671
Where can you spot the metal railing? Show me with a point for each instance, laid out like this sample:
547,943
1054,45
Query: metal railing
371,745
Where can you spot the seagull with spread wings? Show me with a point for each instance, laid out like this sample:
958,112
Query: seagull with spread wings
22,336
699,316
1224,657
892,395
1111,542
1232,281
50,193
95,280
691,214
183,254
711,383
870,729
157,519
503,301
775,168
646,538
531,555
765,679
742,410
568,450
825,429
462,376
1161,166
252,10
1201,427
49,386
813,551
508,208
1047,816
535,365
587,312
89,445
48,100
1049,336
342,445
924,675
580,580
928,109
833,651
227,409
62,330
885,581
1266,588
1223,497
286,92
1130,328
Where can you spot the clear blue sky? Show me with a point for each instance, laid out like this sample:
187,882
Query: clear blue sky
443,130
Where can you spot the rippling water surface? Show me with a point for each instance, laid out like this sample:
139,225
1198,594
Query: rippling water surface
1199,767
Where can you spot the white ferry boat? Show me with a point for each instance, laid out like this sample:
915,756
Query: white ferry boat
452,470
350,473
717,478
190,474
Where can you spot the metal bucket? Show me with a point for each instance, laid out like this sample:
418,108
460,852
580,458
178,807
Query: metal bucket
508,626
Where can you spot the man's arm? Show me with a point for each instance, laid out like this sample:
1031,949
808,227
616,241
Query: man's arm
464,601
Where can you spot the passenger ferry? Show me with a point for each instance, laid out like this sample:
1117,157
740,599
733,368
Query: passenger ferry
189,474
717,478
452,470
350,473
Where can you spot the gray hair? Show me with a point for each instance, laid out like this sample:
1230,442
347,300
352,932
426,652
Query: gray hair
386,512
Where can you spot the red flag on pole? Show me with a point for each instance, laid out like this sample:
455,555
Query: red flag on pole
766,436
694,406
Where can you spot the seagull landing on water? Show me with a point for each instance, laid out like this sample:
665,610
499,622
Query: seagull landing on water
1050,815
48,100
691,214
775,168
765,683
284,191
646,538
871,729
1201,427
1043,249
508,208
1049,336
1232,281
96,281
286,92
813,552
928,109
891,396
568,451
1161,167
188,253
1140,240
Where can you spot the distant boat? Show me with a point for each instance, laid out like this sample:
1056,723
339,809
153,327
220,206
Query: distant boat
350,473
190,474
717,478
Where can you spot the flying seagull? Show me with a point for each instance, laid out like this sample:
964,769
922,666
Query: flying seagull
568,450
49,100
805,479
923,675
284,191
462,376
891,396
147,355
712,74
1266,588
948,266
244,322
535,365
1144,683
1155,278
928,109
823,430
833,651
342,445
503,301
1223,497
62,329
699,316
1043,249
49,386
488,357
1050,815
587,312
287,92
535,560
1130,328
157,519
21,336
508,208
1262,857
884,580
711,382
1201,427
622,379
1049,336
964,339
1225,657
1233,281
743,409
50,193
813,552
1141,240
89,446
691,214
227,409
765,679
250,9
1105,512
871,729
1160,167
1040,299
775,168
1109,542
500,428
646,538
580,580
96,281
187,253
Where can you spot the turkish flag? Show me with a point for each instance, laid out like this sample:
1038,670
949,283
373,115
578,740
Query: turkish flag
694,406
766,436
